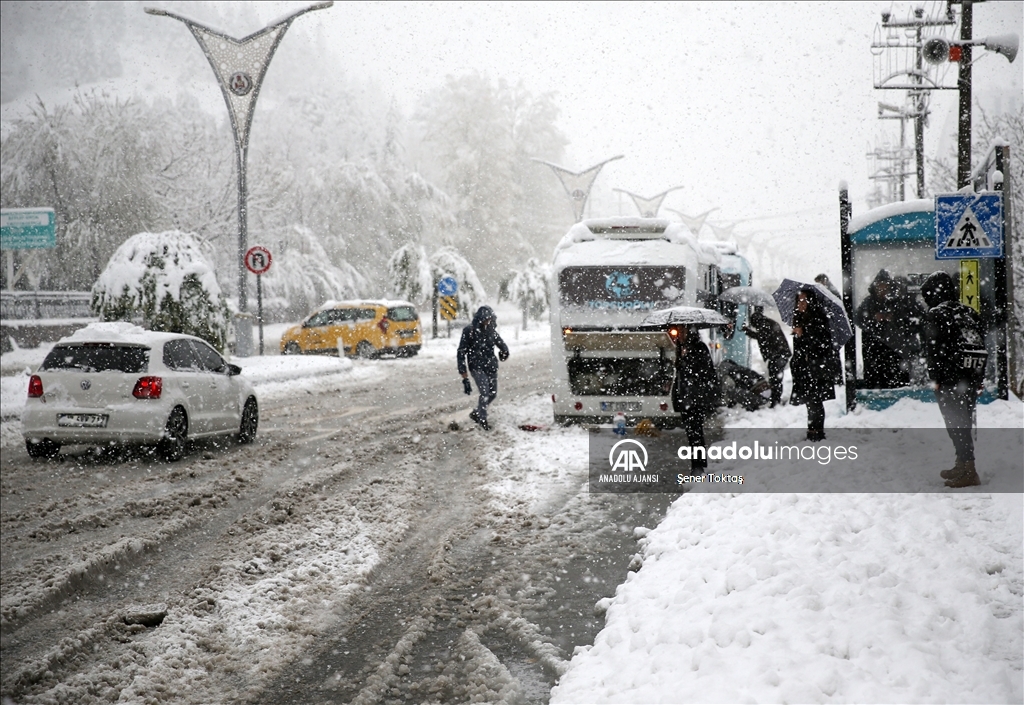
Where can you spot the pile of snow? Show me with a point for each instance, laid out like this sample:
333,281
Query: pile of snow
820,597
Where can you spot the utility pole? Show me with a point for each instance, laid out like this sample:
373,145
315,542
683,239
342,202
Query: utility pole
899,65
963,141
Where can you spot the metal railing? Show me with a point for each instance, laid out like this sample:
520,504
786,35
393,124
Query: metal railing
35,305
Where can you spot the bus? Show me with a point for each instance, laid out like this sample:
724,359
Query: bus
735,271
607,276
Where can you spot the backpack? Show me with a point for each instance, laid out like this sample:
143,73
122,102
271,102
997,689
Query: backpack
969,355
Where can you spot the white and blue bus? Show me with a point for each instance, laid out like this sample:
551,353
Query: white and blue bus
607,276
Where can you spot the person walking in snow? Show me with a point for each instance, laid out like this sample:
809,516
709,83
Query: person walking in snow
814,361
475,357
952,336
773,346
695,391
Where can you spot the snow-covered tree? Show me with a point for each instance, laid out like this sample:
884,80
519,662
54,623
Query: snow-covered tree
528,289
482,134
303,277
164,282
95,162
409,275
447,262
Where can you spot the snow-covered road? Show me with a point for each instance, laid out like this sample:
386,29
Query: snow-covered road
362,546
364,551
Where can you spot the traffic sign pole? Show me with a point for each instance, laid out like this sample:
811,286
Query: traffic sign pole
444,297
259,308
257,260
433,307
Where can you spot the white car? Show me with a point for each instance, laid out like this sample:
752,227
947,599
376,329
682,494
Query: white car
118,383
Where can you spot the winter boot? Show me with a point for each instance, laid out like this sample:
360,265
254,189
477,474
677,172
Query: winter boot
967,478
954,471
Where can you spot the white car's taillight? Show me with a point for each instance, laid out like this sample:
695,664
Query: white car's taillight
148,388
35,387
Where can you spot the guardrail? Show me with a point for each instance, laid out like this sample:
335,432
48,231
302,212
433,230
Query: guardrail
35,305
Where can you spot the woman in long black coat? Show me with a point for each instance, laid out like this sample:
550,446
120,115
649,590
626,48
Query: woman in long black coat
814,363
695,392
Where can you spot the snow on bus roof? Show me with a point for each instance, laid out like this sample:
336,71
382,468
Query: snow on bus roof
631,230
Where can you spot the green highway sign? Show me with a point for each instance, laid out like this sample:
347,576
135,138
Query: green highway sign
27,228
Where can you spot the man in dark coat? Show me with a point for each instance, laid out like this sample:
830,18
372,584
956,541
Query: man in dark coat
773,346
948,327
475,357
814,361
888,319
695,391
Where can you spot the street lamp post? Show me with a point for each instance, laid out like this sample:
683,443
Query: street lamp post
577,183
650,205
240,66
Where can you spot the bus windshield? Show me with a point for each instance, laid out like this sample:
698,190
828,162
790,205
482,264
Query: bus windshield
625,287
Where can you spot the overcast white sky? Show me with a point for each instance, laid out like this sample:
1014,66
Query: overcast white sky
753,107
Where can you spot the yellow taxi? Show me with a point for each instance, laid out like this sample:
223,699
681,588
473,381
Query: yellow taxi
357,328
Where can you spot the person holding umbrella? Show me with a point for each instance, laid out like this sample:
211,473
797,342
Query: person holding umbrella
820,327
813,363
695,391
773,346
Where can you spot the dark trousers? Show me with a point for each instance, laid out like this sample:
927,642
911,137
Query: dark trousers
693,424
957,403
487,384
882,366
815,420
775,369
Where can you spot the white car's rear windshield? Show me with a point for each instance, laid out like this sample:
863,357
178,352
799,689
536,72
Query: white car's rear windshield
98,357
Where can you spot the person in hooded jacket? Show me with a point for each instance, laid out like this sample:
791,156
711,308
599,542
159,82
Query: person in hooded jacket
814,361
773,346
888,318
475,356
695,391
945,324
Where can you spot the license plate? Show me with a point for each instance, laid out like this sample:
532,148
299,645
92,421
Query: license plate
406,333
620,406
82,420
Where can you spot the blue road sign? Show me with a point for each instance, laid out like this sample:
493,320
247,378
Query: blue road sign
969,226
447,286
27,228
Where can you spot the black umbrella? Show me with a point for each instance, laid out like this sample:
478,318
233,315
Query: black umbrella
838,323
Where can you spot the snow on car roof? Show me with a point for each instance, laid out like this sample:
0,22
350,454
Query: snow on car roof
364,302
118,332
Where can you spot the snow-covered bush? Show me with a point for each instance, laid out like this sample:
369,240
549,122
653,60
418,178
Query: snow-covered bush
164,282
528,289
447,262
409,275
304,276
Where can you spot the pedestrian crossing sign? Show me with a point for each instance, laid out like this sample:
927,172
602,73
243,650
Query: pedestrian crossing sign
969,226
